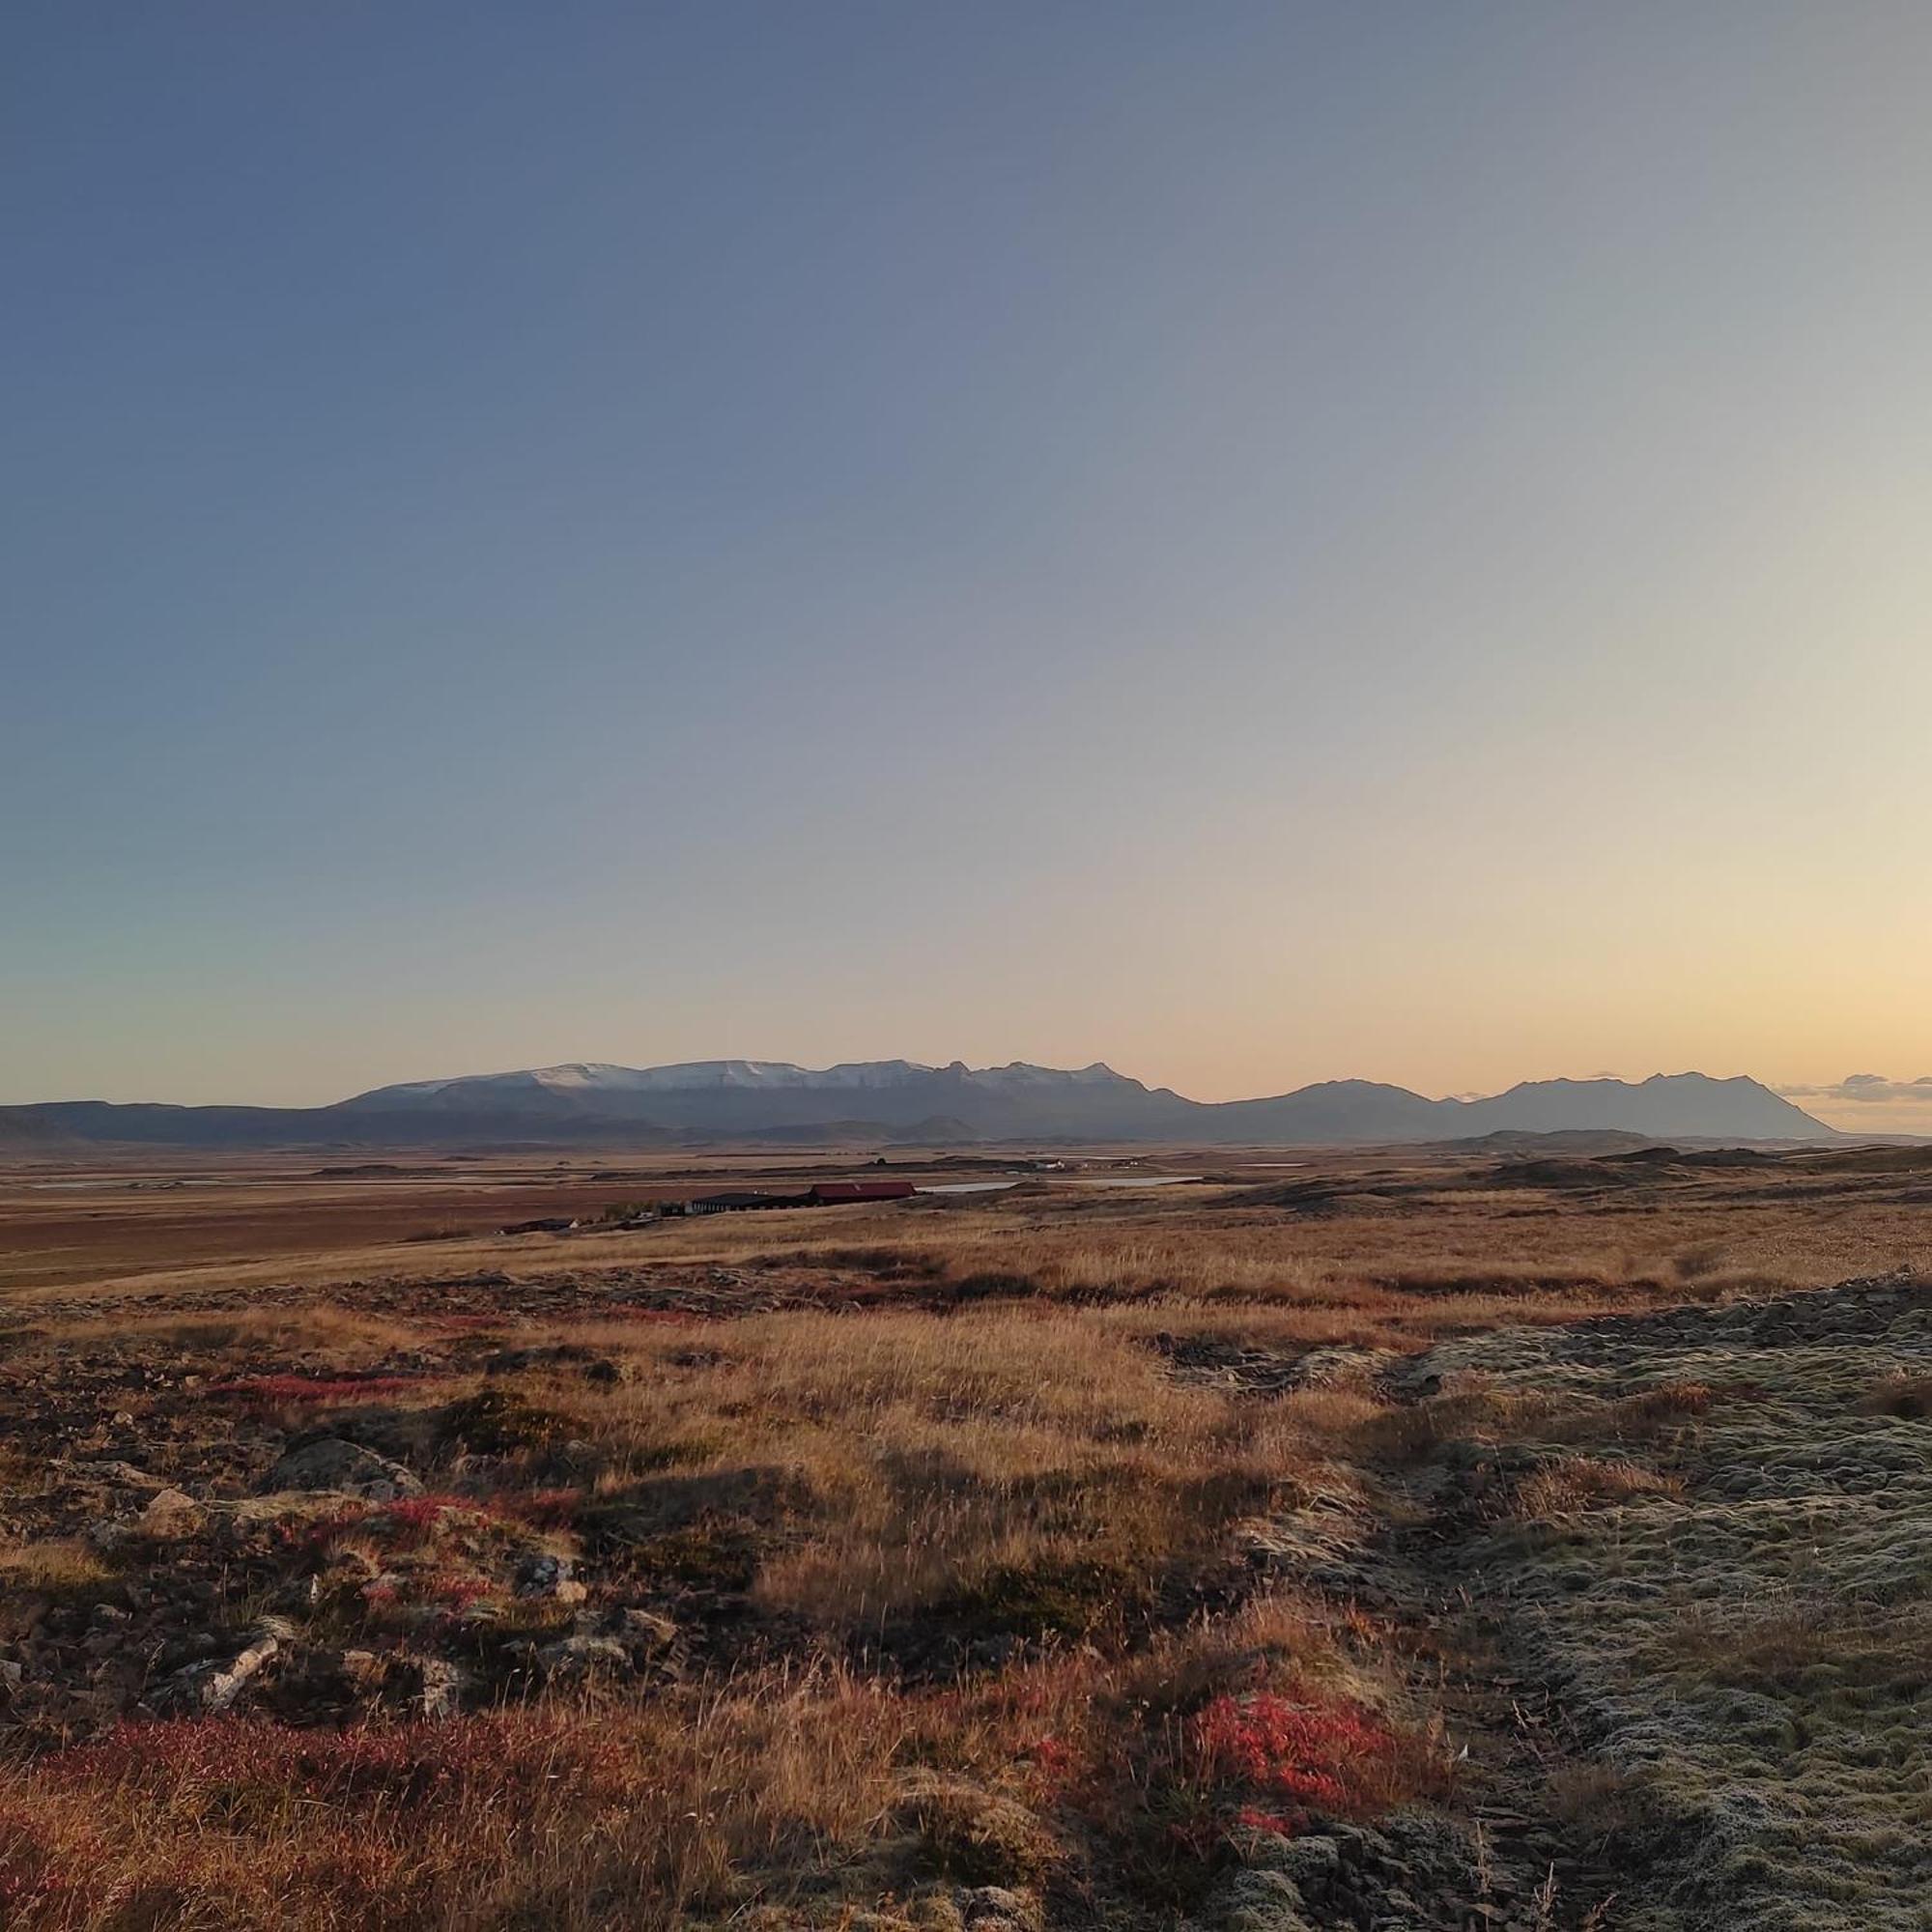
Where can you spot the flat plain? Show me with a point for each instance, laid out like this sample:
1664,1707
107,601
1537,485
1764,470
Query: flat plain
1340,1539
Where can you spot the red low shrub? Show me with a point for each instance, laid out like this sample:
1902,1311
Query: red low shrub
407,1522
1330,1757
1056,1766
416,1519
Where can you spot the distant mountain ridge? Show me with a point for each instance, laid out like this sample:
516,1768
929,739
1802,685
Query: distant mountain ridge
592,1102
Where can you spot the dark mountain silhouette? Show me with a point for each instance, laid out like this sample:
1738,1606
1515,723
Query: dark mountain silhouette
25,1131
1338,1110
1664,1107
588,1104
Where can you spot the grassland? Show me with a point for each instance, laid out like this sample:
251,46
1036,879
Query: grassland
1372,1543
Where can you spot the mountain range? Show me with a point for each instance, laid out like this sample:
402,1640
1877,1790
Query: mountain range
593,1104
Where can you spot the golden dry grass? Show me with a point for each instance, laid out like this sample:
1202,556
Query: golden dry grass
1013,1470
1444,1252
960,1552
541,1817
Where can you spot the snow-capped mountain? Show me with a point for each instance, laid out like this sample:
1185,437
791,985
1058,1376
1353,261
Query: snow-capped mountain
600,1079
592,1102
721,1094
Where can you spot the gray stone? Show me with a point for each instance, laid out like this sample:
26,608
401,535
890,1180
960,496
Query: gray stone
211,1689
171,1513
439,1694
1259,1901
993,1908
645,1630
576,1659
116,1475
546,1578
331,1464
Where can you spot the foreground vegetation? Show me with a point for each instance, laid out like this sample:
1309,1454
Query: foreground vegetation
1052,1563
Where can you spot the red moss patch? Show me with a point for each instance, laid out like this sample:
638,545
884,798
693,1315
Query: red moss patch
1331,1757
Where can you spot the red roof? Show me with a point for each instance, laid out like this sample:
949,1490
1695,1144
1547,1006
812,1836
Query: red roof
825,1192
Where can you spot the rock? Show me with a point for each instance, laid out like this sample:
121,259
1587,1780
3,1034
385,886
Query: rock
171,1513
577,1658
115,1475
341,1572
361,1670
934,1913
993,1908
1259,1901
1312,1862
439,1692
547,1579
645,1630
211,1689
331,1464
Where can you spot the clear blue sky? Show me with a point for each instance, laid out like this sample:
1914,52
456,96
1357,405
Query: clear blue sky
1256,542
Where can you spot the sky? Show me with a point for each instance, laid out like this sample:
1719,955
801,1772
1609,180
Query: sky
1256,543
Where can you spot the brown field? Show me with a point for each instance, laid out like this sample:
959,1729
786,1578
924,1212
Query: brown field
1373,1541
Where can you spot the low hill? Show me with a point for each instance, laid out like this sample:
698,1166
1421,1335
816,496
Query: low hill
1584,1143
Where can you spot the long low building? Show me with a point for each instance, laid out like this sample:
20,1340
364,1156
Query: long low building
829,1193
741,1203
821,1193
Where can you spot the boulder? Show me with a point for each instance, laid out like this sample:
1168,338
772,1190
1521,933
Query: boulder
547,1579
646,1630
112,1475
440,1690
995,1908
328,1462
171,1513
361,1672
212,1687
1259,1902
575,1660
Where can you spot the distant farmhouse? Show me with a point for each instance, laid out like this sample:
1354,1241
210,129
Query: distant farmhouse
738,1201
823,1194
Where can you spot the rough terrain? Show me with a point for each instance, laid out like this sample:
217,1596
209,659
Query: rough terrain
854,1581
